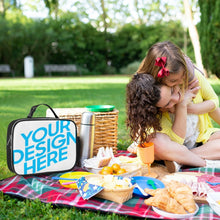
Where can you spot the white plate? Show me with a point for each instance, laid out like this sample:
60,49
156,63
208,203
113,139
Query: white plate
132,169
212,199
175,216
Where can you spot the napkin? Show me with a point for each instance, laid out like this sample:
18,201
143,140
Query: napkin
210,178
86,189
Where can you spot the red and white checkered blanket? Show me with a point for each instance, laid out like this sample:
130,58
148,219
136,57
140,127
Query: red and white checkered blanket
48,190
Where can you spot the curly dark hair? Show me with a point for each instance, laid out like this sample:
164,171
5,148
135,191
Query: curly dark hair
143,117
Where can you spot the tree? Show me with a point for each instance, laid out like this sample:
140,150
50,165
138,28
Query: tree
2,8
109,13
194,36
152,11
53,6
209,29
6,5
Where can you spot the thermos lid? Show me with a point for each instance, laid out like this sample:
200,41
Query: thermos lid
88,118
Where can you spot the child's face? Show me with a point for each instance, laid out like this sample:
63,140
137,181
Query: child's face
170,96
174,79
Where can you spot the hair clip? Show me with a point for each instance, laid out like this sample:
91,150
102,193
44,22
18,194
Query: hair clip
161,62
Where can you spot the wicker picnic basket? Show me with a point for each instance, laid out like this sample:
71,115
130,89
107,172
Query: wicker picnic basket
106,125
116,195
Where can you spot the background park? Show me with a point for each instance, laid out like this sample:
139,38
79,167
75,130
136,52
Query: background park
106,40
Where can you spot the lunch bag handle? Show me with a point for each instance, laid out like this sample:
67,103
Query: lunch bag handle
33,109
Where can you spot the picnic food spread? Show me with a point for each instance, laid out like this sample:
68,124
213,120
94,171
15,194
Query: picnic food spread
119,176
119,179
49,189
179,196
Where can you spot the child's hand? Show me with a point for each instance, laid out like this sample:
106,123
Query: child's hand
188,97
194,86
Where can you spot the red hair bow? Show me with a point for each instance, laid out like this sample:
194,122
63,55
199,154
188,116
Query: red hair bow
161,61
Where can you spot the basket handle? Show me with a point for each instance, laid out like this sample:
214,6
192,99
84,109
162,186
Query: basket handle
33,109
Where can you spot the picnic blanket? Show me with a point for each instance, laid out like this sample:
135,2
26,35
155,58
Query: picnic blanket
48,190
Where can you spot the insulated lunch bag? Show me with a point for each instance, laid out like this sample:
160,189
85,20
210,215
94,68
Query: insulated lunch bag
41,145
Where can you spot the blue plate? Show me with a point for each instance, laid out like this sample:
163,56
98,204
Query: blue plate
142,182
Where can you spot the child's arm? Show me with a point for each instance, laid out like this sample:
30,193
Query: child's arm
210,102
215,115
201,108
179,124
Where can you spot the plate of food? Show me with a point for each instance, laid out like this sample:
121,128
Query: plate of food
173,215
174,201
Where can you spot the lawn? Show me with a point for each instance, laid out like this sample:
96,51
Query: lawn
18,95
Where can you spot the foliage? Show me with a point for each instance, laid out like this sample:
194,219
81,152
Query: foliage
132,42
8,5
67,40
209,30
52,5
130,68
78,43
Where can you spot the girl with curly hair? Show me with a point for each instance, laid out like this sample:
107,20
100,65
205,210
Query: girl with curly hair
175,68
158,113
169,66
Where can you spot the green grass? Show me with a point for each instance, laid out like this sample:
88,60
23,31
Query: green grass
18,95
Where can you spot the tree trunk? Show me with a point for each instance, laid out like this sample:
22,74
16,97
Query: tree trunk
185,41
138,13
193,33
104,16
2,8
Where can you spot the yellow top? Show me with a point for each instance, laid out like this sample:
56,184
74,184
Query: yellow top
205,126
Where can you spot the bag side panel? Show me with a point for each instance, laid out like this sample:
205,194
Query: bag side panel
9,149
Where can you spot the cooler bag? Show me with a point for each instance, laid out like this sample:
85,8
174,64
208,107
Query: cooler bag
38,145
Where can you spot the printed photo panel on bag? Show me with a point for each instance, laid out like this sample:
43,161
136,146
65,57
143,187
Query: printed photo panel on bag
42,146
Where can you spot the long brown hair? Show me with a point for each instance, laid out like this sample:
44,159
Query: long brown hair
143,117
175,60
